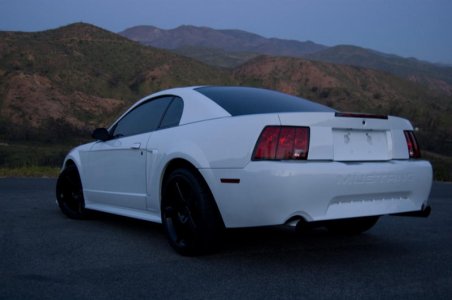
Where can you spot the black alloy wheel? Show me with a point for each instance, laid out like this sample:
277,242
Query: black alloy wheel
190,217
69,193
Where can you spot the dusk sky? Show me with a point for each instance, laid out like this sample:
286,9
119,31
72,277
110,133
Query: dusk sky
410,28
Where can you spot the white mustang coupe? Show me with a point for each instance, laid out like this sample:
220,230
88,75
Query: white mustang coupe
202,159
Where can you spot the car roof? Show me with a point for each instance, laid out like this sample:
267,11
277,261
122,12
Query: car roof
212,102
197,107
239,100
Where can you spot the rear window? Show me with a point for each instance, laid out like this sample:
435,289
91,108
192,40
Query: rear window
247,101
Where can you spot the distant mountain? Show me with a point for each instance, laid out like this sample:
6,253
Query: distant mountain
227,40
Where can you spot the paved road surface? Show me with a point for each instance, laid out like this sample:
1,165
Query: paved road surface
44,255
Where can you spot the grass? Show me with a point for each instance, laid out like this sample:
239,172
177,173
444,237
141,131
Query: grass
442,165
29,155
30,171
31,159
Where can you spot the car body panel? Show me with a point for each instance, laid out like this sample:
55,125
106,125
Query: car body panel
122,161
334,182
271,193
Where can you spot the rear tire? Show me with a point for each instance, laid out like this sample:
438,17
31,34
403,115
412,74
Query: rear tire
190,216
352,226
69,194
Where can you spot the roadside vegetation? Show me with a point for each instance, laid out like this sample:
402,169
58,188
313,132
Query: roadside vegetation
30,171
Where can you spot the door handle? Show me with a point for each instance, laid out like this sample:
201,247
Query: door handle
136,146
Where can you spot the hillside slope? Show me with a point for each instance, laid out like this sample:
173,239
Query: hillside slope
432,75
355,89
57,85
81,75
216,57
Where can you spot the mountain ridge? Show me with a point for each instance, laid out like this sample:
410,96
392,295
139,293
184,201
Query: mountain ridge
410,68
227,39
57,85
231,48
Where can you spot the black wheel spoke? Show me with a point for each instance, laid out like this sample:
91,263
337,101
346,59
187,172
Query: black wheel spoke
178,215
187,214
186,211
181,196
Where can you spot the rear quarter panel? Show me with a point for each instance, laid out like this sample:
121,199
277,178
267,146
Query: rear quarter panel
221,143
213,144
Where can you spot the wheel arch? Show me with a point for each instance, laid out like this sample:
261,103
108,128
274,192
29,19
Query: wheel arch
177,163
69,162
73,159
174,164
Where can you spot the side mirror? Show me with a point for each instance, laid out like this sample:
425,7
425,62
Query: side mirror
101,134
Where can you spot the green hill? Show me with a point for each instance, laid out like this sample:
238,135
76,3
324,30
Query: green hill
81,74
215,56
57,85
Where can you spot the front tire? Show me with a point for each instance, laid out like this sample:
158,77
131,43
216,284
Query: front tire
190,216
69,193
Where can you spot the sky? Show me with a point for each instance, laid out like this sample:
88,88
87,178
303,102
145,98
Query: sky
409,28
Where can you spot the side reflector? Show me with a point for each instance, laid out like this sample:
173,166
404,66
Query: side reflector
282,143
413,146
230,180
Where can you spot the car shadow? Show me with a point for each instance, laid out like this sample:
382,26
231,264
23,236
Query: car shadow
270,243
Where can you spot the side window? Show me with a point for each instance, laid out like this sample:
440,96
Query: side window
144,118
173,114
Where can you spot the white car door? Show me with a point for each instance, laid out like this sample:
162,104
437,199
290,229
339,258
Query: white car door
115,170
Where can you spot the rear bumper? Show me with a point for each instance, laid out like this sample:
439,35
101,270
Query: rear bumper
271,193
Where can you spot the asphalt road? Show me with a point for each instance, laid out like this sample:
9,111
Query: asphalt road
44,255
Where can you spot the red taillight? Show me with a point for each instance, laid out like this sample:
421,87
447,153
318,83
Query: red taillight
268,141
413,147
282,143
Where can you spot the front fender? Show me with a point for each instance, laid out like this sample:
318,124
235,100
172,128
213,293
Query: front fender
74,157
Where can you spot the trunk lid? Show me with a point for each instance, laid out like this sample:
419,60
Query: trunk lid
352,137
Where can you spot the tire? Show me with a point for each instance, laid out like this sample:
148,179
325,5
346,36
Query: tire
353,226
190,217
69,194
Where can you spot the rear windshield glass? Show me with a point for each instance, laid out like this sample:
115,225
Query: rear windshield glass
246,101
